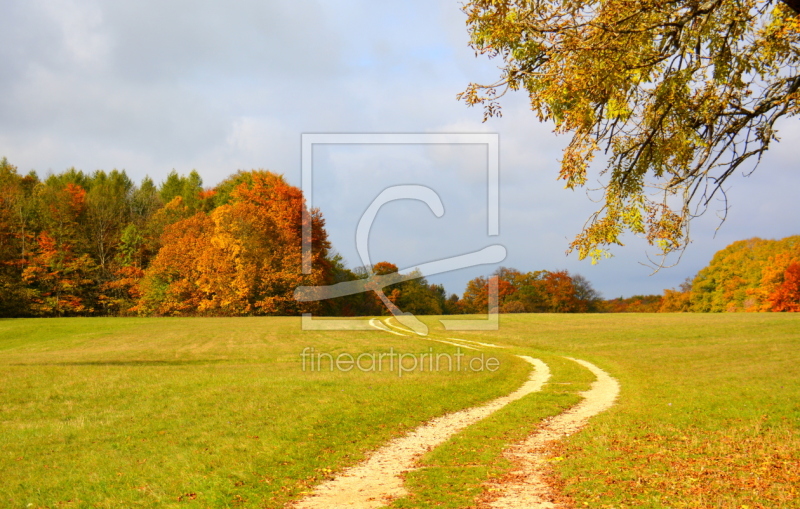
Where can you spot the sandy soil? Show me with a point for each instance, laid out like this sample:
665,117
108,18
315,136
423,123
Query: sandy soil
376,481
525,488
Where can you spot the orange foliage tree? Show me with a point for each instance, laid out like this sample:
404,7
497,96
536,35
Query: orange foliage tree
561,294
243,258
744,275
533,292
60,282
786,297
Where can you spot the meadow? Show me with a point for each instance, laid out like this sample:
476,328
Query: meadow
220,412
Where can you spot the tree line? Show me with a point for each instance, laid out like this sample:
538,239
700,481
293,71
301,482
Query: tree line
78,244
97,244
747,276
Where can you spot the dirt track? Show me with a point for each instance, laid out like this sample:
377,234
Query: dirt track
376,481
525,488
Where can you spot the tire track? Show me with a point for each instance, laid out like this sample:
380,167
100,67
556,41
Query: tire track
376,481
525,488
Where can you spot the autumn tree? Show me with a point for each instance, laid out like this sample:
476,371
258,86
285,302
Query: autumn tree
778,289
224,191
677,96
744,275
16,238
242,258
60,280
786,296
392,293
61,209
90,244
533,292
476,296
677,301
562,295
633,304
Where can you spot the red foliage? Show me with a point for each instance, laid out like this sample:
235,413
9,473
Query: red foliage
58,279
383,268
77,197
787,296
561,293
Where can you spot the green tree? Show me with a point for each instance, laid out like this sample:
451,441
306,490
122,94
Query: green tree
188,188
677,94
419,297
108,208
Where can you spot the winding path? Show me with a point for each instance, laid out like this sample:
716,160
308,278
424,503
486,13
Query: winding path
527,489
376,481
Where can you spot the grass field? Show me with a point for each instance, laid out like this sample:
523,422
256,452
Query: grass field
220,412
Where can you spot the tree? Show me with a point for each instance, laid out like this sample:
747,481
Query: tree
677,301
541,291
243,258
779,290
562,294
60,282
108,206
744,275
787,296
348,305
634,304
585,292
14,237
188,188
476,296
677,94
419,297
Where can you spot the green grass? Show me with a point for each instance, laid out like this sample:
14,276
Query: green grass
452,475
216,412
142,412
708,415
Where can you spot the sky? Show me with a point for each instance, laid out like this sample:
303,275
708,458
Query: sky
152,86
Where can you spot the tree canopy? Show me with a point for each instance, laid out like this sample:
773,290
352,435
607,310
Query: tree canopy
541,291
77,244
750,275
675,96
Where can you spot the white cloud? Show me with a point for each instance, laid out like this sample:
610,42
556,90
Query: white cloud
154,85
84,38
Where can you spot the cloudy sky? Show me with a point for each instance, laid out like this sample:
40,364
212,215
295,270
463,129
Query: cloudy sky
151,86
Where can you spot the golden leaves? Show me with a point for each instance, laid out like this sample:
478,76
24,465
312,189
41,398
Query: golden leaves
679,95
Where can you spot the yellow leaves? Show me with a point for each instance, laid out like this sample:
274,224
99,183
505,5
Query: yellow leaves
668,91
618,109
598,254
632,217
577,157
